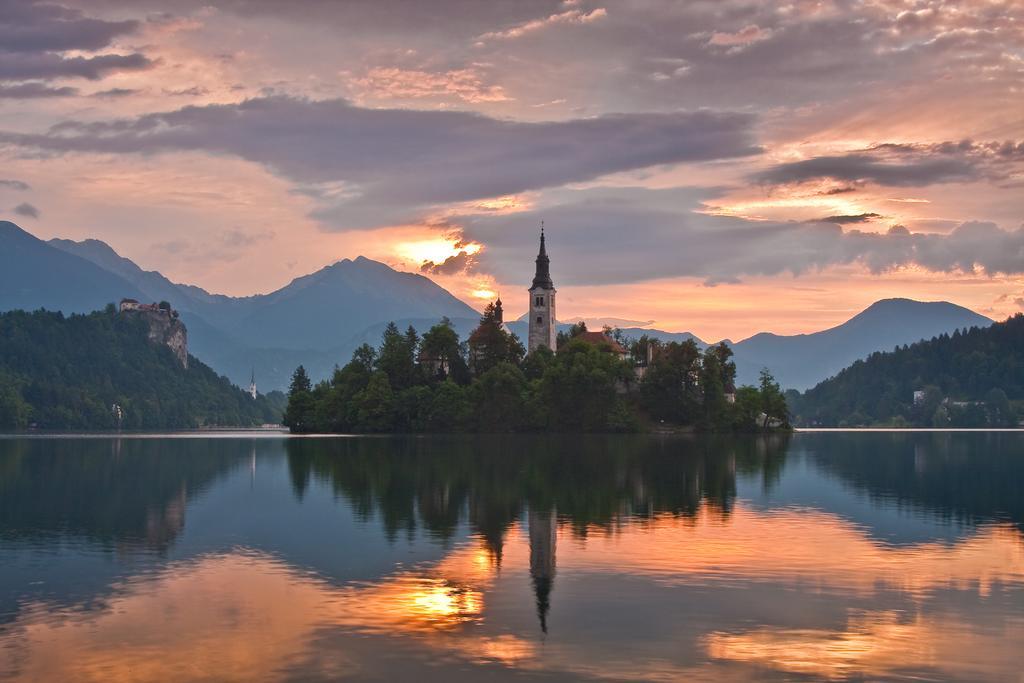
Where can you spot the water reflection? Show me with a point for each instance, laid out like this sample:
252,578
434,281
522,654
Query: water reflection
627,558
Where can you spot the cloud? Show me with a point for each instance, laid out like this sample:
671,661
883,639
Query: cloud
855,218
115,92
14,184
47,65
36,37
465,84
26,91
1020,302
398,160
27,210
453,265
27,26
751,33
569,17
664,237
904,165
862,168
194,91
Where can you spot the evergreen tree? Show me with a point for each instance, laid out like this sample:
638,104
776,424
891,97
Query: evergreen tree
300,414
490,344
397,357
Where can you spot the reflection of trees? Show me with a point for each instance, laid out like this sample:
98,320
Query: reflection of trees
582,481
434,483
970,477
120,493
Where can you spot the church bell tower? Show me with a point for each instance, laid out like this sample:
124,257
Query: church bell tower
542,303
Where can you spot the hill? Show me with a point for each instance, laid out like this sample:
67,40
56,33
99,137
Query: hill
968,378
801,361
60,372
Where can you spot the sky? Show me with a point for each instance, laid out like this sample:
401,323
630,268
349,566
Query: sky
722,167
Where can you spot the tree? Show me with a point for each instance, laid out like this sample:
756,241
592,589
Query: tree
1000,413
499,397
14,412
375,405
669,389
577,391
773,403
441,354
536,362
712,386
299,416
397,357
450,409
562,338
490,344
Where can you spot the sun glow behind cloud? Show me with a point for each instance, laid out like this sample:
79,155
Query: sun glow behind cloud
436,250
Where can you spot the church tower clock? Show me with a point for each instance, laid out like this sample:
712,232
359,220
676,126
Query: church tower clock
542,303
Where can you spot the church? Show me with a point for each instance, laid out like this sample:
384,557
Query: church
543,327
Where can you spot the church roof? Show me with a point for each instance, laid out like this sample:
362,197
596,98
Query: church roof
542,278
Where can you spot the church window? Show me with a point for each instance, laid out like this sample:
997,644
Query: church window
539,320
540,301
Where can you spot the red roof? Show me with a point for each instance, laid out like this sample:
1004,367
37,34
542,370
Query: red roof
599,339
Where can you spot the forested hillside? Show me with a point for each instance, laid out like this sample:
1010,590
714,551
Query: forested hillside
60,372
971,378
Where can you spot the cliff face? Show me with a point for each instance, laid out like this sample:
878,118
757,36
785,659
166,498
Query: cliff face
169,331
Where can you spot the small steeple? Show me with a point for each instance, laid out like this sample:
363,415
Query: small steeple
499,314
542,278
252,384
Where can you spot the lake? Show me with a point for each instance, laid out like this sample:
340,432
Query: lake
263,558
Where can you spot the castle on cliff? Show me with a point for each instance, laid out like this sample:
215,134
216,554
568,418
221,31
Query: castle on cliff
164,326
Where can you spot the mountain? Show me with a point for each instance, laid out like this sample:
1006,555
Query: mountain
62,372
333,305
801,361
963,379
316,320
520,327
35,275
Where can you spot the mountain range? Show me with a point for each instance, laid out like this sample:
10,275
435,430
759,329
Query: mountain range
318,320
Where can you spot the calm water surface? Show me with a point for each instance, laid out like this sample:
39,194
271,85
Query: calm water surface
817,556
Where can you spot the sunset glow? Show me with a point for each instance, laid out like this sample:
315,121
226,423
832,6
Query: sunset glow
448,147
434,250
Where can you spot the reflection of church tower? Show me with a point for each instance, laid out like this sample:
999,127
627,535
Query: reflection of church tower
542,560
542,303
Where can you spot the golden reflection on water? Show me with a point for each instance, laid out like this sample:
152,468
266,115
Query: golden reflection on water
819,549
249,616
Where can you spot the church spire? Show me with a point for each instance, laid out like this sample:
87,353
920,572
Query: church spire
543,276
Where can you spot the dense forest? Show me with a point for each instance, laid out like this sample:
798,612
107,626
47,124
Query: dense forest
99,371
971,378
437,383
